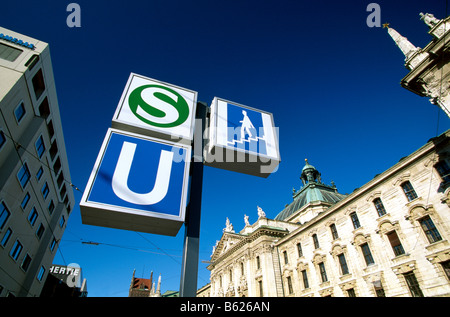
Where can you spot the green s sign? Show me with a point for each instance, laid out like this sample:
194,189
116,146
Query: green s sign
158,106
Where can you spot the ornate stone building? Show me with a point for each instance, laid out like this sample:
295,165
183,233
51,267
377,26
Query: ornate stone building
429,69
390,237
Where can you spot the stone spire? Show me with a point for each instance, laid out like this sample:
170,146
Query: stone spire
132,280
413,55
407,48
158,288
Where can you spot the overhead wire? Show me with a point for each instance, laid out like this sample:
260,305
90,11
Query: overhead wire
97,243
17,145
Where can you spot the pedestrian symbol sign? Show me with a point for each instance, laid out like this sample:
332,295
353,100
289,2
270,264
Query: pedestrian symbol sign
136,180
242,134
242,139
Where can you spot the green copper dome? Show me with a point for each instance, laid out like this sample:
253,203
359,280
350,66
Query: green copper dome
313,191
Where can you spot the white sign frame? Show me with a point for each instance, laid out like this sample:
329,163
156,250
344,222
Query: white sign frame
221,155
125,119
119,217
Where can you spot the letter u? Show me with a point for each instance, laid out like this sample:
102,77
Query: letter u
122,171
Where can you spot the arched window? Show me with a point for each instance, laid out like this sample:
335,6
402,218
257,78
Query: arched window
334,232
430,229
316,241
355,220
379,207
409,190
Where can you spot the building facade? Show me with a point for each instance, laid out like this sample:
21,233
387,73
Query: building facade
65,281
144,287
390,237
36,197
429,68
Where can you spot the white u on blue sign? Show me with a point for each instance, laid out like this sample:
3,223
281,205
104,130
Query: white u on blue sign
140,176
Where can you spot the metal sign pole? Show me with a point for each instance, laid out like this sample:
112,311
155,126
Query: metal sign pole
189,267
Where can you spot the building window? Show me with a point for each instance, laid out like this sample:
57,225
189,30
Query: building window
446,267
4,214
379,290
20,112
316,241
299,250
409,191
32,61
413,285
51,207
2,139
343,264
38,84
40,231
53,245
40,146
24,175
53,151
323,273
305,279
355,220
260,287
41,273
395,243
15,250
44,111
26,262
334,232
39,173
289,285
25,201
9,53
444,170
62,221
258,263
367,254
285,255
32,217
6,237
45,190
379,207
351,292
430,230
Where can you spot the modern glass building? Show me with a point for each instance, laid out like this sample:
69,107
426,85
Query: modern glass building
36,197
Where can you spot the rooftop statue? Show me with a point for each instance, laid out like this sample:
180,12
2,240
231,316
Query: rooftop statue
429,19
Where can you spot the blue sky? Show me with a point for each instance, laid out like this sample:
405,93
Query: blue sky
331,82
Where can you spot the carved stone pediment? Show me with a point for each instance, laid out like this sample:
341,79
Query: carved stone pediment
225,244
